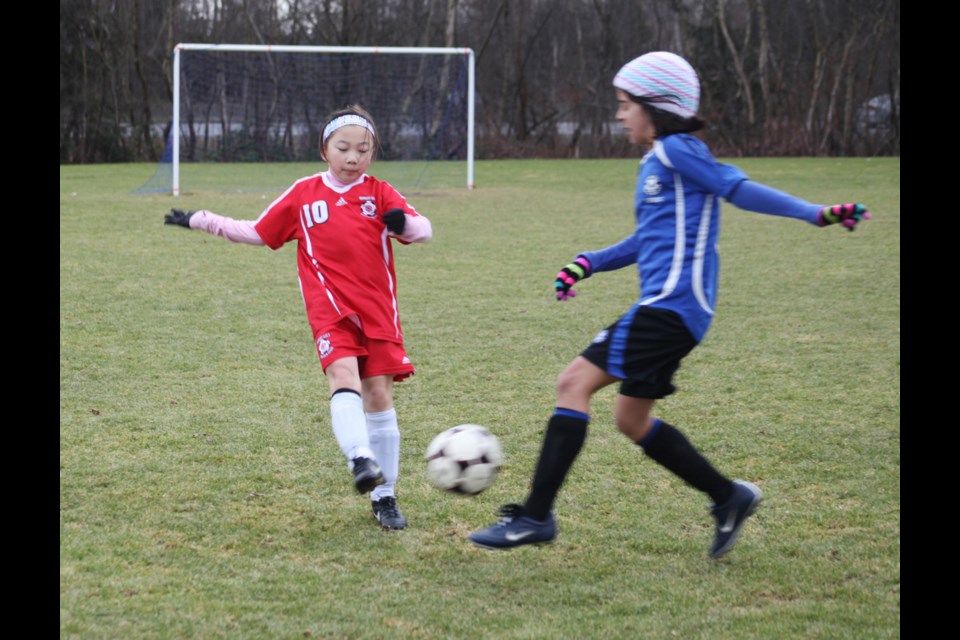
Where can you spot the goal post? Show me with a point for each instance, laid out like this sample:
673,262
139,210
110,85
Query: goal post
267,102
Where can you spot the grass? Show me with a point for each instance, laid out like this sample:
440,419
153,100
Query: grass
202,494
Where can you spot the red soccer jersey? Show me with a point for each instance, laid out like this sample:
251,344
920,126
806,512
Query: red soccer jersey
344,255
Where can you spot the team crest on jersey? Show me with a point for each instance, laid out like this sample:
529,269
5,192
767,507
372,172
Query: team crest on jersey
652,186
369,206
324,346
600,337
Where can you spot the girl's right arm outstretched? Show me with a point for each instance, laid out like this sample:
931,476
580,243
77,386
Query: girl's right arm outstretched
242,231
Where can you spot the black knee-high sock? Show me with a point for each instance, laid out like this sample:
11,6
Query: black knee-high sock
667,446
566,433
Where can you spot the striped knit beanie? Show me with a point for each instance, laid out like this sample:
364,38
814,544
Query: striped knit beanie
664,77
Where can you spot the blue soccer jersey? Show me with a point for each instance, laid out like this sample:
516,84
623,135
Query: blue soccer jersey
674,245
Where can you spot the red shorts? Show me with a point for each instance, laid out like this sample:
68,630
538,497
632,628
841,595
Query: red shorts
374,357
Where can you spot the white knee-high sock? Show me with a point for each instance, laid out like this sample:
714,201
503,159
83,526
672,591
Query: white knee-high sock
349,425
385,441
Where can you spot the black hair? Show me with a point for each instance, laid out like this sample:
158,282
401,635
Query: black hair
665,122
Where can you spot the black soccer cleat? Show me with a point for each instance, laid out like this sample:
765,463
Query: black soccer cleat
387,514
366,475
515,528
732,514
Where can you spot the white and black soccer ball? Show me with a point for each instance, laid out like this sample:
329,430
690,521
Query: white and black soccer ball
464,459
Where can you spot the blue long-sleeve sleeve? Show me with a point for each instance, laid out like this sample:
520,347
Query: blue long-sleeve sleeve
760,198
617,256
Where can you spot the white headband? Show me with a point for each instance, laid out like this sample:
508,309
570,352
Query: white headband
346,120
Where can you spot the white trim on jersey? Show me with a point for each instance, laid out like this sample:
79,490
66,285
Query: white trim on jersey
679,241
301,216
699,252
385,247
658,150
328,180
679,248
316,266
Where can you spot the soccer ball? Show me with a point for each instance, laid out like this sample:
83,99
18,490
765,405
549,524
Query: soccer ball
464,459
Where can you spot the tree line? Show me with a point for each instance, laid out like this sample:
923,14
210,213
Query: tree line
779,77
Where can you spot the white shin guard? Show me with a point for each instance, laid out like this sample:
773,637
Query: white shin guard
384,437
349,426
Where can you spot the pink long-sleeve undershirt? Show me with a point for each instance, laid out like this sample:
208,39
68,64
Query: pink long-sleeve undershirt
417,229
229,228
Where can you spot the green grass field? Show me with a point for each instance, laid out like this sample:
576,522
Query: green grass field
202,494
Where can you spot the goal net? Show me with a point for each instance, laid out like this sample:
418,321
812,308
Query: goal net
257,104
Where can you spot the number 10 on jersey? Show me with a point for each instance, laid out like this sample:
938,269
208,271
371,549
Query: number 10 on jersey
315,213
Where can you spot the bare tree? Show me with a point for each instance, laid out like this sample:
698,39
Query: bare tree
778,76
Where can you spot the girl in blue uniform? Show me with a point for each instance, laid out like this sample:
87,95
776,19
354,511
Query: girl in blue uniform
673,246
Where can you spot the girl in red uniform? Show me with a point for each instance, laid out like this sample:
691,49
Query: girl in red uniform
344,221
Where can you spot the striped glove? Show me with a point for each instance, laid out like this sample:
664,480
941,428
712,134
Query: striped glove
849,215
569,276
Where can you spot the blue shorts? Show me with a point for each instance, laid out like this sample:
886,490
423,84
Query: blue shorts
643,348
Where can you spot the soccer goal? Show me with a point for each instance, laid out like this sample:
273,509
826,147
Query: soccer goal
259,103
